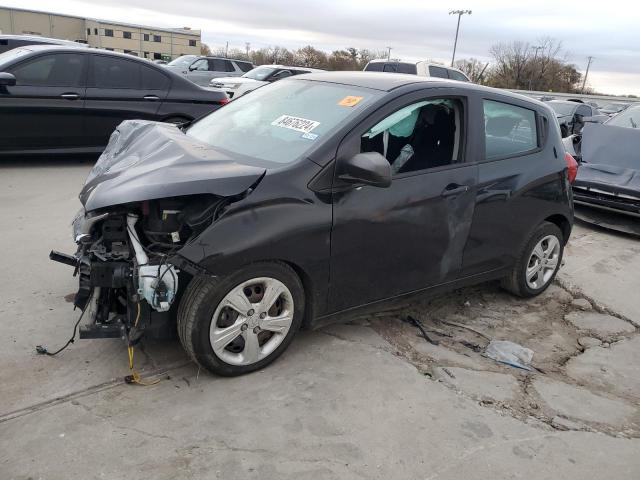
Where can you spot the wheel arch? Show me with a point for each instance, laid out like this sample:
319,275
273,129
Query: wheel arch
562,223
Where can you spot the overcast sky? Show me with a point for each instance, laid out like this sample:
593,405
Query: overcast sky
416,29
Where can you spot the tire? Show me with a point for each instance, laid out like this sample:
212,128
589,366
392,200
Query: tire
206,298
548,262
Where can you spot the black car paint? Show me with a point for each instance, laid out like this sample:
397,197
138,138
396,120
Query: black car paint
80,119
355,246
609,176
283,219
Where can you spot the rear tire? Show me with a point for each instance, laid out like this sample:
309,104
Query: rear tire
538,263
247,334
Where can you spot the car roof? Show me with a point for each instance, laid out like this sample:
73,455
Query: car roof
566,102
292,67
383,81
38,38
70,48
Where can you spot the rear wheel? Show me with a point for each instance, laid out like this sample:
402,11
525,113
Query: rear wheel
242,322
538,263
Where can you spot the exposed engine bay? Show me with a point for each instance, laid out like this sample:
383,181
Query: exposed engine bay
128,272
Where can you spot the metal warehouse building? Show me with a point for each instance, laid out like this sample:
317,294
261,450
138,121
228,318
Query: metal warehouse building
140,40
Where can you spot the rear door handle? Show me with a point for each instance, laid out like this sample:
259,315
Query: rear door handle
70,96
151,98
454,189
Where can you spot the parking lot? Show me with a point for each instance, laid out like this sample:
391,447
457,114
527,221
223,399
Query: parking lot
368,398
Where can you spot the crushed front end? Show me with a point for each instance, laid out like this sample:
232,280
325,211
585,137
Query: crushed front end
129,273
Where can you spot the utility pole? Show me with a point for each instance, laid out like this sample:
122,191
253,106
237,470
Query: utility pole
226,51
535,57
388,53
584,82
455,43
247,47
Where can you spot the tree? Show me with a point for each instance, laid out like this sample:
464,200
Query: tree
311,57
519,66
205,50
473,68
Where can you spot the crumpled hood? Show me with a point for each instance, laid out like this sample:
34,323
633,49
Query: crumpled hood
147,160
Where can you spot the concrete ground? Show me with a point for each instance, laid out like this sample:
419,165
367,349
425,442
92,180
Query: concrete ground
365,399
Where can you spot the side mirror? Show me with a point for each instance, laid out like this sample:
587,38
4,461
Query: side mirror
7,79
369,168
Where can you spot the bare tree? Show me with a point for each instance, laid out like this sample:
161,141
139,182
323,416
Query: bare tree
205,50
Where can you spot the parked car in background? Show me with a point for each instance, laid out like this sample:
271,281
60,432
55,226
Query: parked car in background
572,115
9,42
158,61
200,70
258,77
314,197
65,99
423,69
613,108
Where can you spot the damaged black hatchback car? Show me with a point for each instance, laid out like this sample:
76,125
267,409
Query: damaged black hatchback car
311,198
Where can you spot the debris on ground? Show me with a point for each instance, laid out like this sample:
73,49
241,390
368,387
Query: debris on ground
509,353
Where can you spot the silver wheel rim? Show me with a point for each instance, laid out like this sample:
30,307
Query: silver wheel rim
251,321
543,262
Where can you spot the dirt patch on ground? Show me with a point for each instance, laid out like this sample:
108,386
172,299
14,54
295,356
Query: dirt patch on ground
463,322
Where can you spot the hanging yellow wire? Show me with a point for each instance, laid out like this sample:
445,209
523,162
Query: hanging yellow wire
135,376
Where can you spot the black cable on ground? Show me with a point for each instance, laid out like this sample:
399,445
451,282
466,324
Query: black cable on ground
42,350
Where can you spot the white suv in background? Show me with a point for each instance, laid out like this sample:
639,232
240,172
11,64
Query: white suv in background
422,68
256,78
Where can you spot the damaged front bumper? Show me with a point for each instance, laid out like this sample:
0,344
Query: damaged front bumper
123,291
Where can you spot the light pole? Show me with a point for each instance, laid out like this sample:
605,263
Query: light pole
455,43
535,57
388,53
584,82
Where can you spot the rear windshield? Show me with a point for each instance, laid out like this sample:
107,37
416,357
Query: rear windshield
259,73
630,118
280,122
562,108
392,67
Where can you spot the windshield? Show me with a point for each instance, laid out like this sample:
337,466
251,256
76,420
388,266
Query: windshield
259,73
280,122
183,61
630,118
562,108
12,54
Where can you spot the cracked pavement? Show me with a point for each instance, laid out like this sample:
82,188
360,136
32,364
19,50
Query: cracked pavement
365,399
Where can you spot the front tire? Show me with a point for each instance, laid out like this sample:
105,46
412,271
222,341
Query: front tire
242,322
538,262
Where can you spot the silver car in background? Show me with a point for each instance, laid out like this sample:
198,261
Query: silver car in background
200,70
256,78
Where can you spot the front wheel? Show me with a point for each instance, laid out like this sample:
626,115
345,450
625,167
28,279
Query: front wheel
538,263
242,322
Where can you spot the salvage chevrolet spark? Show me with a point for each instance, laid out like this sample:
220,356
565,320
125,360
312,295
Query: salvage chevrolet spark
312,198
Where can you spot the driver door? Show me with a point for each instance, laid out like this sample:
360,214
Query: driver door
390,241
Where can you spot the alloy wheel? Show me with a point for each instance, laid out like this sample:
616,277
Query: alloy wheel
251,321
543,262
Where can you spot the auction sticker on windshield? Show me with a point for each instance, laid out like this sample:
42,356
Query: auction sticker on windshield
295,123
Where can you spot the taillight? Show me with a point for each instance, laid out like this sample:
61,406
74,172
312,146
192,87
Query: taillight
224,101
572,167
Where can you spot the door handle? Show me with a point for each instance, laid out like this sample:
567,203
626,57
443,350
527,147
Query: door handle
151,98
454,189
70,96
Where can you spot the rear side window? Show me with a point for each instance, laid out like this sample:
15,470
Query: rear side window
509,130
374,67
400,68
455,75
151,79
220,65
109,72
439,72
244,66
